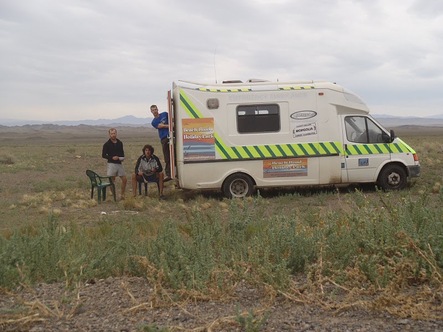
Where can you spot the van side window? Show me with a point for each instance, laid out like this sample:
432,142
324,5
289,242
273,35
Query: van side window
360,129
258,118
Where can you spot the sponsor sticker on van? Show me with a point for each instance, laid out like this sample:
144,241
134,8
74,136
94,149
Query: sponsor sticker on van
303,130
303,115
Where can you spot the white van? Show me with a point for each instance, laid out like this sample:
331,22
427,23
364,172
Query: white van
237,137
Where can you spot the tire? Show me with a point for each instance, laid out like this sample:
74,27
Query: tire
392,177
238,186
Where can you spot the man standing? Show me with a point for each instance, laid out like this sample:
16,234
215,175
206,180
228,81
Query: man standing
160,122
114,154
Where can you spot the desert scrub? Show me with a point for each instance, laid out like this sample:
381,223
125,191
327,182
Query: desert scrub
384,242
211,250
251,321
48,251
6,159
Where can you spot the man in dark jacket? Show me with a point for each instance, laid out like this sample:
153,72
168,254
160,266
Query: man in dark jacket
148,169
113,152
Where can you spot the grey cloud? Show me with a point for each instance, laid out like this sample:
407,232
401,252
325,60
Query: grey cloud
59,54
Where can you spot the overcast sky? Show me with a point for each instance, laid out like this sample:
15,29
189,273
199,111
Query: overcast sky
84,59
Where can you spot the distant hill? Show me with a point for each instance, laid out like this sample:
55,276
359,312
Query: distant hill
131,121
389,121
127,120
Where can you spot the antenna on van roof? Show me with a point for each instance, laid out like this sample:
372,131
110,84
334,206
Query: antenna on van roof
215,69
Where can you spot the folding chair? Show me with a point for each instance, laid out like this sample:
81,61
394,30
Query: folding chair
140,183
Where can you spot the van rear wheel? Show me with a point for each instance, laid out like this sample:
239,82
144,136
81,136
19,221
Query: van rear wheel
392,177
237,186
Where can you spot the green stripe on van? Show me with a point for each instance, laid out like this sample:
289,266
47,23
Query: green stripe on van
249,152
192,111
381,148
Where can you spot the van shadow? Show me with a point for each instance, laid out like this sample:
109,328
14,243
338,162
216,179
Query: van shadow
188,195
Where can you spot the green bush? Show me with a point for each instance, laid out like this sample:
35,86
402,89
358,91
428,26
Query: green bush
214,250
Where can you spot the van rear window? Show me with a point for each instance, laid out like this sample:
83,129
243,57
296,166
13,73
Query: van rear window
258,118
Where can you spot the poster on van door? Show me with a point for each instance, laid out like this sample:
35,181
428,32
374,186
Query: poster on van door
198,139
288,167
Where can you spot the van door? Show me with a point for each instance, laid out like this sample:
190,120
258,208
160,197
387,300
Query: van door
366,148
171,134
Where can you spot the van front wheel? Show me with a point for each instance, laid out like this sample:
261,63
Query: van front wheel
238,186
392,177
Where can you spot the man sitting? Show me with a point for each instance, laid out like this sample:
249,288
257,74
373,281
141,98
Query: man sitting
148,169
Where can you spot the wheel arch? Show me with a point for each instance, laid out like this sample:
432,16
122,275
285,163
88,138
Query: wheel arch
248,184
392,163
238,172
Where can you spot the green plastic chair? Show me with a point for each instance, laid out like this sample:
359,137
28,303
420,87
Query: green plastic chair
101,183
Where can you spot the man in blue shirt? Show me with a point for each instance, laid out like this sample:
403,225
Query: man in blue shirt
161,123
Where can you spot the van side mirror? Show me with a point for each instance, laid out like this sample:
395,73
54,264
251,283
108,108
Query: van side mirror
388,138
392,136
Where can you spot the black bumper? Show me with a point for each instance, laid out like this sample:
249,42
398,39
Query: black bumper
414,171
